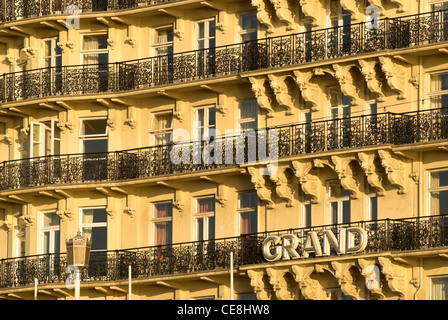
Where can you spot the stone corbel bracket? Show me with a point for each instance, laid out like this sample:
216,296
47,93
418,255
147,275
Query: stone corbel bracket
346,174
347,81
263,14
395,72
259,281
373,79
372,171
283,288
222,194
308,178
308,287
363,265
352,7
281,92
179,200
400,4
396,276
310,91
284,13
394,167
346,279
282,187
28,217
313,9
259,182
264,98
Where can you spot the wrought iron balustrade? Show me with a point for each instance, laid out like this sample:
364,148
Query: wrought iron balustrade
12,10
227,151
396,235
275,52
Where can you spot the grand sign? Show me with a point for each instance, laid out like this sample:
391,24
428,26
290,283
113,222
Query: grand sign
349,240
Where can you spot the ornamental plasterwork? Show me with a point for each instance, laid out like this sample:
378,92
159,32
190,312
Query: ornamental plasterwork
373,79
308,179
282,186
395,72
309,287
312,9
259,281
394,167
259,182
374,176
282,287
263,14
347,280
347,81
281,91
396,276
310,91
284,13
346,174
263,97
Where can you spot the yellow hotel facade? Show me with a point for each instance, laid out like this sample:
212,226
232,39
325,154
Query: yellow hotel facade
220,149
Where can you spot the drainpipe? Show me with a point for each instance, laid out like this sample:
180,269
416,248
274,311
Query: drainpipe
420,277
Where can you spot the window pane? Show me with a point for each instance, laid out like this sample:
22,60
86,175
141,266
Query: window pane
98,235
46,242
248,200
249,37
94,215
200,226
211,28
57,241
439,179
249,110
307,214
163,121
95,146
163,233
439,202
164,210
373,208
211,117
336,190
206,205
51,219
334,212
201,30
211,228
439,289
346,211
248,222
94,127
249,21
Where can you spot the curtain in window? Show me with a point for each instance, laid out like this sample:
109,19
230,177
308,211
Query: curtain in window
440,289
206,205
161,233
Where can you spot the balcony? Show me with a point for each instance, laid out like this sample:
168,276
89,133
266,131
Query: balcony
269,144
23,9
388,235
268,53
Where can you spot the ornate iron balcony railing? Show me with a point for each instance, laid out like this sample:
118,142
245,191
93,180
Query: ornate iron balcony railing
294,49
227,151
12,10
396,235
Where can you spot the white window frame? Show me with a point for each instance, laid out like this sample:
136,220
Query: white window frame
339,200
156,220
93,224
252,210
433,189
205,216
206,128
432,94
84,137
207,36
156,45
53,55
83,52
156,132
51,229
241,32
247,120
42,128
430,280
